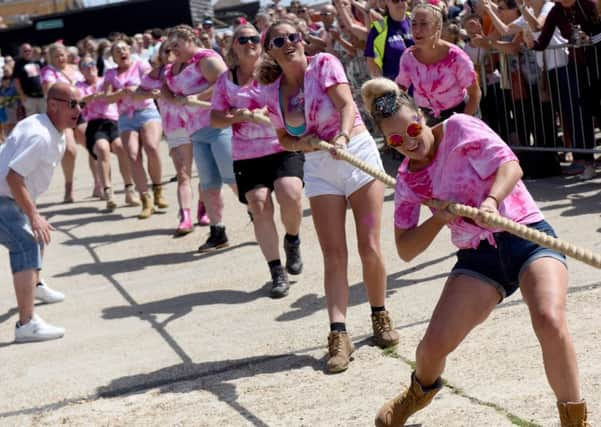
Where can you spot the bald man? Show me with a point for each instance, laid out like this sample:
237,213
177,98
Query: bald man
27,161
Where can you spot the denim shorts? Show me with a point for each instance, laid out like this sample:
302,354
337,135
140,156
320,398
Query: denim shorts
502,266
212,149
16,235
138,120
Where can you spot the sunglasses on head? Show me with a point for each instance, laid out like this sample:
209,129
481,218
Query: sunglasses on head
413,131
280,41
73,103
88,64
247,39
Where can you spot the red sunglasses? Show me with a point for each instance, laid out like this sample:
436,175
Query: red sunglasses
413,131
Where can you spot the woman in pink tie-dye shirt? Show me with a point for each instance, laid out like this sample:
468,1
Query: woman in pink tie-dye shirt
463,160
173,116
192,80
309,98
102,133
58,70
139,124
441,74
261,165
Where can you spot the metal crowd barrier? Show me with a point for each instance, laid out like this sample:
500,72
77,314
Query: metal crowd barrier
552,108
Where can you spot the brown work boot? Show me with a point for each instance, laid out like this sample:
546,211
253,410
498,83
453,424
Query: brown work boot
396,411
572,414
159,200
147,208
340,349
384,333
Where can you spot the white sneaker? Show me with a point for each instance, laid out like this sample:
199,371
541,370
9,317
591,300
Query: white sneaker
588,173
37,330
47,295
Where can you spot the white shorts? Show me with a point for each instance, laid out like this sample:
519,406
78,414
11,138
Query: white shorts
325,175
177,138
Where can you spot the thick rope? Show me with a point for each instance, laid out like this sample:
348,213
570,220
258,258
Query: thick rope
489,219
492,220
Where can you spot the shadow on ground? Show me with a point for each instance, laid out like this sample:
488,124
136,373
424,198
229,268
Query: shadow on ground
216,377
182,305
111,268
311,303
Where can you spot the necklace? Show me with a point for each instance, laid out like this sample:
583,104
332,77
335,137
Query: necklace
297,101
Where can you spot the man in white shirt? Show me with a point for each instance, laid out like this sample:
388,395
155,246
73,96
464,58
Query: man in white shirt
27,161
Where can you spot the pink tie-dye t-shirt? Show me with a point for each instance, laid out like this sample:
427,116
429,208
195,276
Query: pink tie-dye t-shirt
462,171
51,75
438,86
249,140
132,77
96,109
190,81
321,118
173,116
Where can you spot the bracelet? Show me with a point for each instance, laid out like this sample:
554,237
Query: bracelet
345,135
490,196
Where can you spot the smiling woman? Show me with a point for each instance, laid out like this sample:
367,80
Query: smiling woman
463,160
309,98
261,165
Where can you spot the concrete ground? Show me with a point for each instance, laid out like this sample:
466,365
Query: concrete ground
158,334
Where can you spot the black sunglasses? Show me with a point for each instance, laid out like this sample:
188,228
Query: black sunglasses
397,1
279,42
73,103
251,39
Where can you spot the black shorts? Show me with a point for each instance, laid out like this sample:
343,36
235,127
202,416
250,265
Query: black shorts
264,171
100,129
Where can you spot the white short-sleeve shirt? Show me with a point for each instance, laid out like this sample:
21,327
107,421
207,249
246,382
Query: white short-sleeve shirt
33,150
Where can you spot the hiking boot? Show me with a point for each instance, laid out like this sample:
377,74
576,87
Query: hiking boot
573,414
201,214
340,349
294,263
185,225
217,239
110,200
131,198
147,208
384,333
279,283
37,330
396,411
159,200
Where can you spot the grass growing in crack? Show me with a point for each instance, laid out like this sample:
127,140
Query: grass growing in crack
515,420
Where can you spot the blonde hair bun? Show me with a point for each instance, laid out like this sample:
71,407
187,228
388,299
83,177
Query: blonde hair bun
375,88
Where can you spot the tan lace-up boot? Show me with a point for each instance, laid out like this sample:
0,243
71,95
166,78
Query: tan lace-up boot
147,208
573,414
340,349
384,333
396,411
159,200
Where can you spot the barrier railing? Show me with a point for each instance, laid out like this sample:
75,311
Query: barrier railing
547,103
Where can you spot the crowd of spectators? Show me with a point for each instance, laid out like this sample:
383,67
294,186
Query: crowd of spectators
500,73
